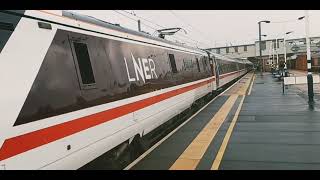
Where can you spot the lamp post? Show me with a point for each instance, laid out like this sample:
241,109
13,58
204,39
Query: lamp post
309,76
285,53
277,54
260,50
273,56
276,47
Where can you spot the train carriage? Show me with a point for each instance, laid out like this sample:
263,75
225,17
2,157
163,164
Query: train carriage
228,69
74,87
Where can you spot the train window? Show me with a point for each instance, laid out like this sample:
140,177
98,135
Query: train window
84,63
8,23
227,50
198,65
187,63
236,49
204,63
173,63
218,51
6,26
244,48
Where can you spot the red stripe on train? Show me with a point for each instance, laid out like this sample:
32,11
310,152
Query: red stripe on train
19,144
228,74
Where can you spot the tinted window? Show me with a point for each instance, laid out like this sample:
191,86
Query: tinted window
204,63
198,65
187,63
7,25
84,63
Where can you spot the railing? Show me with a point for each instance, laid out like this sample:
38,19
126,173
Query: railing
294,80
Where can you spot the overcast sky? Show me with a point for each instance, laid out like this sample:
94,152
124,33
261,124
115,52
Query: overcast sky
214,28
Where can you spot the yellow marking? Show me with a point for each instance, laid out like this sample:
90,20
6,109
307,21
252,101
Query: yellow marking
244,88
217,161
251,85
241,86
192,155
242,91
182,164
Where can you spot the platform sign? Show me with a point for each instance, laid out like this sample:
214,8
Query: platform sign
301,80
289,80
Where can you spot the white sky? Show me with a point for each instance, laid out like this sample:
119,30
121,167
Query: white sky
214,28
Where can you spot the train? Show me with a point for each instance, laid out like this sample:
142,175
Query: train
75,87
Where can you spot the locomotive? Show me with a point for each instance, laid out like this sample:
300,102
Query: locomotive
75,87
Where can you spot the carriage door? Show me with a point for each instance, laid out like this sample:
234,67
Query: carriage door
212,66
216,71
212,72
83,62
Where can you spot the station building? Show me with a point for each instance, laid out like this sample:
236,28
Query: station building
271,48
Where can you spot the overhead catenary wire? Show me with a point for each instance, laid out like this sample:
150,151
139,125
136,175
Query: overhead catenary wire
133,19
136,20
185,22
175,38
161,26
286,21
153,23
149,26
144,19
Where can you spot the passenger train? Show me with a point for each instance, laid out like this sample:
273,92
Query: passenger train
75,87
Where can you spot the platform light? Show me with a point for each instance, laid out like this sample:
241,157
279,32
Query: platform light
261,60
285,53
309,76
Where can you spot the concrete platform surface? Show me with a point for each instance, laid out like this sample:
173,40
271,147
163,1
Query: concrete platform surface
250,126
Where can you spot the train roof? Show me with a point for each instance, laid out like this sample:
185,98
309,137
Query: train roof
96,21
244,60
225,58
247,62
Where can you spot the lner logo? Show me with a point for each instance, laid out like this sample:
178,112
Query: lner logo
143,67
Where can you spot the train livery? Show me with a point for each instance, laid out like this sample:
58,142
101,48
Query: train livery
74,87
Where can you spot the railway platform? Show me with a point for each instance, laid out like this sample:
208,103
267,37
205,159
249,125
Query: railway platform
303,88
251,125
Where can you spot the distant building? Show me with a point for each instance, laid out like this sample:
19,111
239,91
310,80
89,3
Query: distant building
295,49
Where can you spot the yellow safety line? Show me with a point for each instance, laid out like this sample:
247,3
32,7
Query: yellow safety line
254,76
192,155
243,89
217,161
